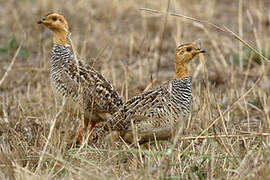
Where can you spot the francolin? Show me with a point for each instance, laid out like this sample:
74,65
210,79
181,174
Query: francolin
71,78
158,108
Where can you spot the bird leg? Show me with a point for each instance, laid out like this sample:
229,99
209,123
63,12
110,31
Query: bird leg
92,120
147,147
80,134
93,125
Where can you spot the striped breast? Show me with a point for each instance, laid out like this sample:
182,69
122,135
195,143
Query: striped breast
155,107
83,84
60,56
181,96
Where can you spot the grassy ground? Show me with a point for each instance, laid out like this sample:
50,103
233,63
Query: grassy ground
223,138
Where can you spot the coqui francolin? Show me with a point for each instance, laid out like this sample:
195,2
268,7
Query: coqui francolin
158,108
71,78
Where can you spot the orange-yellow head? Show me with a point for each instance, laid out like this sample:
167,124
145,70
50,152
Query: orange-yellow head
183,55
58,25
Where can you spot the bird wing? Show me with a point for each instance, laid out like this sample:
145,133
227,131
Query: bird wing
146,107
95,91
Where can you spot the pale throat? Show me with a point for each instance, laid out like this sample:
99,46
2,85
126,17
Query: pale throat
60,37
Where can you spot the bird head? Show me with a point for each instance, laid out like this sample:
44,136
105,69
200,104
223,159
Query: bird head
186,52
183,55
54,22
58,25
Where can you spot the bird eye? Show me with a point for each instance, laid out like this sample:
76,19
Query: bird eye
54,18
189,49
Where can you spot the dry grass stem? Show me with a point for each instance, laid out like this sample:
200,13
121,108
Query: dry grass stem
11,64
132,44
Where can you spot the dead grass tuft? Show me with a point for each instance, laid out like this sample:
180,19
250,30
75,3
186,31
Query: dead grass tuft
227,134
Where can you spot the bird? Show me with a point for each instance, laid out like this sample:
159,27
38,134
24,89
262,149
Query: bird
156,109
71,78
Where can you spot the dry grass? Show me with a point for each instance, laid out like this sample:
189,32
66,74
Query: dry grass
227,134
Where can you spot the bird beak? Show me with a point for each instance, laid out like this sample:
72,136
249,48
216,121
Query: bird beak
41,21
200,51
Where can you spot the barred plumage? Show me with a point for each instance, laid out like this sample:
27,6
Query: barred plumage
71,78
170,101
84,85
158,108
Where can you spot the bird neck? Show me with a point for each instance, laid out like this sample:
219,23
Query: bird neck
181,70
60,37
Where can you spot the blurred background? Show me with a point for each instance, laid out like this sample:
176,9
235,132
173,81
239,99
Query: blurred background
134,49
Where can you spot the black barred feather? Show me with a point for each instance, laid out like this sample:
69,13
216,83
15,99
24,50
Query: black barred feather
83,84
152,109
